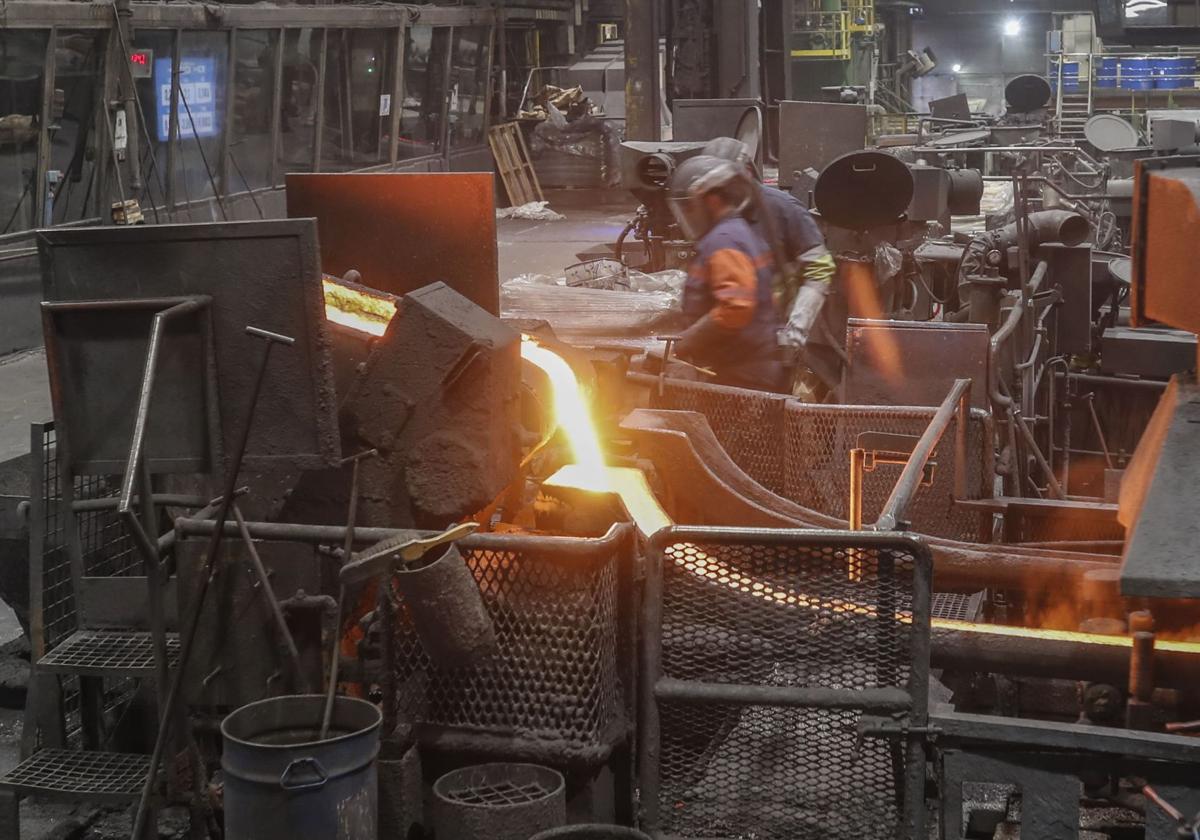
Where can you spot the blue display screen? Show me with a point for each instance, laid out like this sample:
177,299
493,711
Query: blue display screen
197,84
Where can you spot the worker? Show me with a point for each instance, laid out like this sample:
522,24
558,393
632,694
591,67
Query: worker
784,223
728,293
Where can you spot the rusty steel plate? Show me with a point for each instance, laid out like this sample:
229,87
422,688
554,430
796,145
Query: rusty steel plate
405,230
262,274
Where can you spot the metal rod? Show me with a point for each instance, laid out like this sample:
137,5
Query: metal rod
1090,399
214,545
858,458
1051,478
873,699
962,419
260,572
161,499
191,526
1092,379
347,556
1006,330
896,507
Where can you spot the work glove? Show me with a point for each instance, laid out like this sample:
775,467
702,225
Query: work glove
805,311
697,338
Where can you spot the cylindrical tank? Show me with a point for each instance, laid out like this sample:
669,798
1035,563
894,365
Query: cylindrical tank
283,782
1070,76
1137,72
498,802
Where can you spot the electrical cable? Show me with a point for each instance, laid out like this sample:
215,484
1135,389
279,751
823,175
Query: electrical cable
203,157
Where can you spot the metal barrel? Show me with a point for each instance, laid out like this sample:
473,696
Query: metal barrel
282,782
591,831
447,610
1106,73
498,802
862,190
1030,92
1137,72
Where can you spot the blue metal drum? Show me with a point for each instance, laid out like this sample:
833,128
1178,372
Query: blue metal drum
1106,72
1137,72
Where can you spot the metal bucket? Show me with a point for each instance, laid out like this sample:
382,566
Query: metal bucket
591,832
282,783
447,610
498,802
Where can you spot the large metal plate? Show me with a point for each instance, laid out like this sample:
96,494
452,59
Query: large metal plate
704,119
263,274
1166,216
95,357
1158,501
405,230
914,362
813,134
1108,133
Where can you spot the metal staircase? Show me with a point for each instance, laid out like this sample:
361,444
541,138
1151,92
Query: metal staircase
92,641
1074,110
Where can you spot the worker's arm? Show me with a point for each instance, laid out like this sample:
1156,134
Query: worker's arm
733,281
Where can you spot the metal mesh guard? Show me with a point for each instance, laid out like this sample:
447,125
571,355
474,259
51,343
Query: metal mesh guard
775,613
802,452
554,679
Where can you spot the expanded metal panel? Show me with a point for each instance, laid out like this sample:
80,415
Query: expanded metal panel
785,615
817,465
554,683
764,649
738,771
802,452
748,424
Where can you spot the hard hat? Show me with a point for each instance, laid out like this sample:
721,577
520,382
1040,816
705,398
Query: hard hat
729,148
695,178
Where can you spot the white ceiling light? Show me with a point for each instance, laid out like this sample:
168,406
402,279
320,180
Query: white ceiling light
1012,26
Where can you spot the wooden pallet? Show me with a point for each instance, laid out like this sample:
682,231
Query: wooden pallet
512,162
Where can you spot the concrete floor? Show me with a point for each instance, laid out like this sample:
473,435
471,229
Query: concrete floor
544,247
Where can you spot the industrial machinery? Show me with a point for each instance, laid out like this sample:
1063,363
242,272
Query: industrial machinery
704,611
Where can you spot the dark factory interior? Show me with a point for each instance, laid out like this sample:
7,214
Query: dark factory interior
599,419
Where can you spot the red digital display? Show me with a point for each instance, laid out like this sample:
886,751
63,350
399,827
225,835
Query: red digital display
140,58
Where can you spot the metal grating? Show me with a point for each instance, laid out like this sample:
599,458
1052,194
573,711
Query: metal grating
748,424
733,614
102,552
953,606
554,682
79,773
755,771
498,793
99,651
818,440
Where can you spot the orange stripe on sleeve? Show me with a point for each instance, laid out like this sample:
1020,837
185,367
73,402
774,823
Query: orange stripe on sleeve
734,281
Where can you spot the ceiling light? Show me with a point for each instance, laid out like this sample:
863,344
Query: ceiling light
1012,26
957,68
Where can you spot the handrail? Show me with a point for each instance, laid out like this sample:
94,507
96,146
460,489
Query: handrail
954,405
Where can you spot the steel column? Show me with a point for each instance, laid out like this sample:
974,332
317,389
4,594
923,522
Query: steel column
642,90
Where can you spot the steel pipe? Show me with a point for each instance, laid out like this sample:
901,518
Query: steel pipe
897,504
1057,655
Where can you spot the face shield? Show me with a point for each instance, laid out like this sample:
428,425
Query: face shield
691,215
